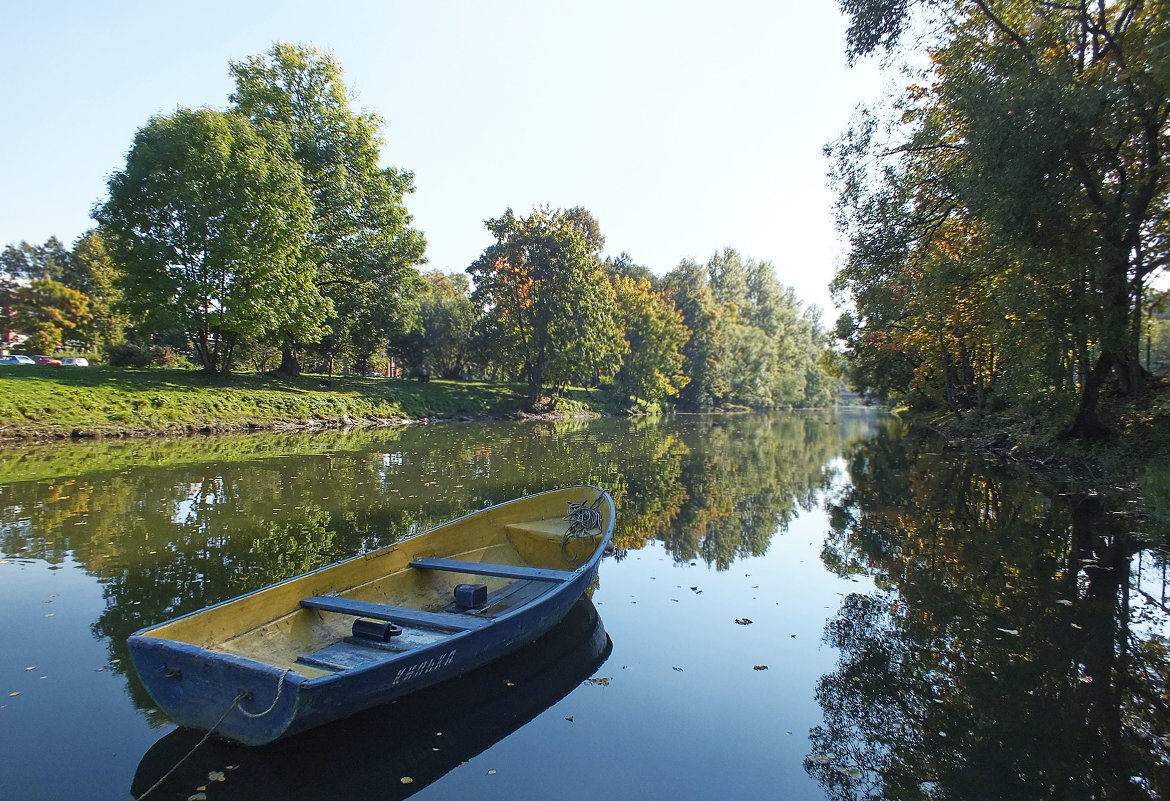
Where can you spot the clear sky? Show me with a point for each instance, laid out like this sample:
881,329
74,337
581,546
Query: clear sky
684,127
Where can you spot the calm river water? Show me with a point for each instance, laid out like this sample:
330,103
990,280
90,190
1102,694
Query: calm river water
801,607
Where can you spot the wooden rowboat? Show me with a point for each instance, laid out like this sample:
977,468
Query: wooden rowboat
321,646
363,757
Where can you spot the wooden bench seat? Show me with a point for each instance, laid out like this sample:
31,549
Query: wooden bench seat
444,621
499,571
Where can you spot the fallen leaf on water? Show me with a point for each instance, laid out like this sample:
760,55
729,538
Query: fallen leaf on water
743,621
492,772
197,797
216,776
1013,632
31,667
406,780
822,759
1064,602
13,695
759,667
600,681
852,773
680,670
509,683
569,718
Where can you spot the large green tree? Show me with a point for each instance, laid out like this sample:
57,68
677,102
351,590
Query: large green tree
208,220
361,242
546,302
1023,182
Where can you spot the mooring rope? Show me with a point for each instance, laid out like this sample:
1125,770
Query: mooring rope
235,704
279,687
198,745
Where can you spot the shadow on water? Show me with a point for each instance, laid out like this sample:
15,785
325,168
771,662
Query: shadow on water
1015,646
421,737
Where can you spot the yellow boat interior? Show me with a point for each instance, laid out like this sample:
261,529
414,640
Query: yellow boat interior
503,556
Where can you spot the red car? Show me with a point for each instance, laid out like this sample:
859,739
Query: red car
46,360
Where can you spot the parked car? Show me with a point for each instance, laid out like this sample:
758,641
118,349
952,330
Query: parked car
16,358
75,361
46,360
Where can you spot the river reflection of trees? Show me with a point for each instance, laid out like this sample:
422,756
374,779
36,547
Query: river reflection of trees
1016,646
169,528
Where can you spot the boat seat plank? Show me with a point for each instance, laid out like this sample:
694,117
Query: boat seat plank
445,621
499,571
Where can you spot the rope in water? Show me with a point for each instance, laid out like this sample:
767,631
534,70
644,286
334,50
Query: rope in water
243,696
198,745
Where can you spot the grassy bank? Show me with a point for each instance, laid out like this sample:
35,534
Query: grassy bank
54,402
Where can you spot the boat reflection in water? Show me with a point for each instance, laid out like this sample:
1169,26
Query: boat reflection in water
423,735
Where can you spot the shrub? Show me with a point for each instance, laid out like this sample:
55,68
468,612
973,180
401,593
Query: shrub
127,354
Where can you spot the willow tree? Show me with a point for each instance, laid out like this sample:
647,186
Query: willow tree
361,241
546,302
1043,129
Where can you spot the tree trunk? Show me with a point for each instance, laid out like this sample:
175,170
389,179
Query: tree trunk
289,364
1088,422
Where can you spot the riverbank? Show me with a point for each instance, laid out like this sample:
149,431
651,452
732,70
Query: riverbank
43,403
1130,460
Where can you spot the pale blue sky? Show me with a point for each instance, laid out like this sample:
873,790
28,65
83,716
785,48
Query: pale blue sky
683,127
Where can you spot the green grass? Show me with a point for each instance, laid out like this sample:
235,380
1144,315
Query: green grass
55,401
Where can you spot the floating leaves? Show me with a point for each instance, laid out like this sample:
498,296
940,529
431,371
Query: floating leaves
598,681
759,667
406,780
743,621
1013,632
680,670
569,718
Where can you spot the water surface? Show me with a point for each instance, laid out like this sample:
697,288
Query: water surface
801,606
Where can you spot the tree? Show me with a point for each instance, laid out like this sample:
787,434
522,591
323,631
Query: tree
93,272
446,318
1035,147
546,303
361,242
703,355
653,328
208,220
46,310
50,260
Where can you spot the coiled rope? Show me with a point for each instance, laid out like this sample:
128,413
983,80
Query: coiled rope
584,518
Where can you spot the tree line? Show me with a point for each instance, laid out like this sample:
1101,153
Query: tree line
267,236
1007,214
